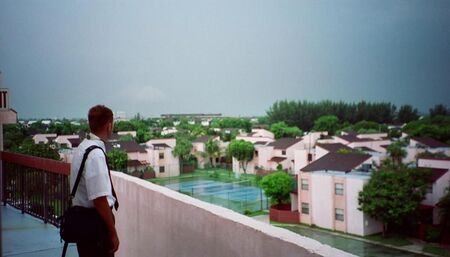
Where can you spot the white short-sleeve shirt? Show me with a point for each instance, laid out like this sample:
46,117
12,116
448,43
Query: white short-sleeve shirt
95,181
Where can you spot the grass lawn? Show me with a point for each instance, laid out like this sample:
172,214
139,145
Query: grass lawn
436,250
396,240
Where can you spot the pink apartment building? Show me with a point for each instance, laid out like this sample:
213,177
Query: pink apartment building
44,138
422,144
439,183
161,159
328,191
137,154
268,155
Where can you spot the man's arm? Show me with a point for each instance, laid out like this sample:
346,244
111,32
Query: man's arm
102,207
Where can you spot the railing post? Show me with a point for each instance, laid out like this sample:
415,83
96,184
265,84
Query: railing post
3,176
45,197
22,189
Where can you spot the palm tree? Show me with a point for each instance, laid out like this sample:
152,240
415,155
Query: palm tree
212,149
397,153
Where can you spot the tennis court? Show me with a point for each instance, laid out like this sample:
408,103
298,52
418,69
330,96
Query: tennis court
238,196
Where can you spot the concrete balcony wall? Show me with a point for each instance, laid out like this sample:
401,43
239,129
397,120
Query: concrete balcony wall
156,221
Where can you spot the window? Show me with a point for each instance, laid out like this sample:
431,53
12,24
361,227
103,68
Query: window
339,214
305,208
309,157
256,153
339,189
161,156
283,152
162,169
305,184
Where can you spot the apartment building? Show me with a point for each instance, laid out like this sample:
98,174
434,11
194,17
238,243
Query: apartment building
161,158
328,191
422,144
268,155
438,184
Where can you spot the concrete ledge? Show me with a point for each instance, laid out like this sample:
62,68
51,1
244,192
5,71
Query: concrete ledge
156,221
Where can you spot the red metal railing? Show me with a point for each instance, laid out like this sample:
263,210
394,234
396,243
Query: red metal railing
37,186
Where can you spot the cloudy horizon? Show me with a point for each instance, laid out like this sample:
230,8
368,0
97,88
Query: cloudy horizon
58,58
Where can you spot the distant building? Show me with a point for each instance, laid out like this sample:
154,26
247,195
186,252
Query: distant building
192,115
161,158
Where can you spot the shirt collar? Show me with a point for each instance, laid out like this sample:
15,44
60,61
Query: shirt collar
94,137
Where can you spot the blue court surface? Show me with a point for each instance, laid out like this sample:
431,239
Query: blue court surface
238,196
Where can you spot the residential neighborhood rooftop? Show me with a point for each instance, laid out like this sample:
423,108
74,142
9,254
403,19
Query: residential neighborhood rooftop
285,142
337,162
127,146
333,147
201,139
430,142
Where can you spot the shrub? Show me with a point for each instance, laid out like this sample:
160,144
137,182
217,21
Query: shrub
277,186
432,234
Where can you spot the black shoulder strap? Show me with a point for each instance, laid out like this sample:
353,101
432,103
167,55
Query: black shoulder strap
80,171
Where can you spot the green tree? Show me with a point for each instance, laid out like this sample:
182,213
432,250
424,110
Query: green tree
407,113
117,159
281,129
439,109
397,153
28,147
278,187
124,126
392,196
183,149
242,151
303,113
328,123
212,149
437,127
13,135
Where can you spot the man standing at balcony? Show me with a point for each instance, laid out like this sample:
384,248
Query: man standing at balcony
95,189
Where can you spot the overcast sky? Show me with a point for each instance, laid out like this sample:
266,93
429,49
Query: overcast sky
59,58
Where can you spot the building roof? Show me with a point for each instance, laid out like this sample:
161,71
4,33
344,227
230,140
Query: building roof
260,143
435,173
201,139
366,149
337,162
430,142
127,146
75,142
352,137
285,142
435,158
161,145
277,159
334,147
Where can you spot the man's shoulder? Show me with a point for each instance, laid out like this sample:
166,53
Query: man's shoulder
88,143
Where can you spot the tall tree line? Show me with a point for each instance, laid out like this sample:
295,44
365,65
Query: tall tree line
303,113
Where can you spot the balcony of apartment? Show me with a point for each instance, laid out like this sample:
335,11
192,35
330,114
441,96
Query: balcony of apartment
151,221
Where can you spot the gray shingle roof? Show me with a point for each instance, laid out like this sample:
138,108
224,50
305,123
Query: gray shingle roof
337,162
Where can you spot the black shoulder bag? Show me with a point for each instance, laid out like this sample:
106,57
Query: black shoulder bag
81,224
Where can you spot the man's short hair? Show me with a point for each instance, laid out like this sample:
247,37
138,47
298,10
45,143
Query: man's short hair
98,117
